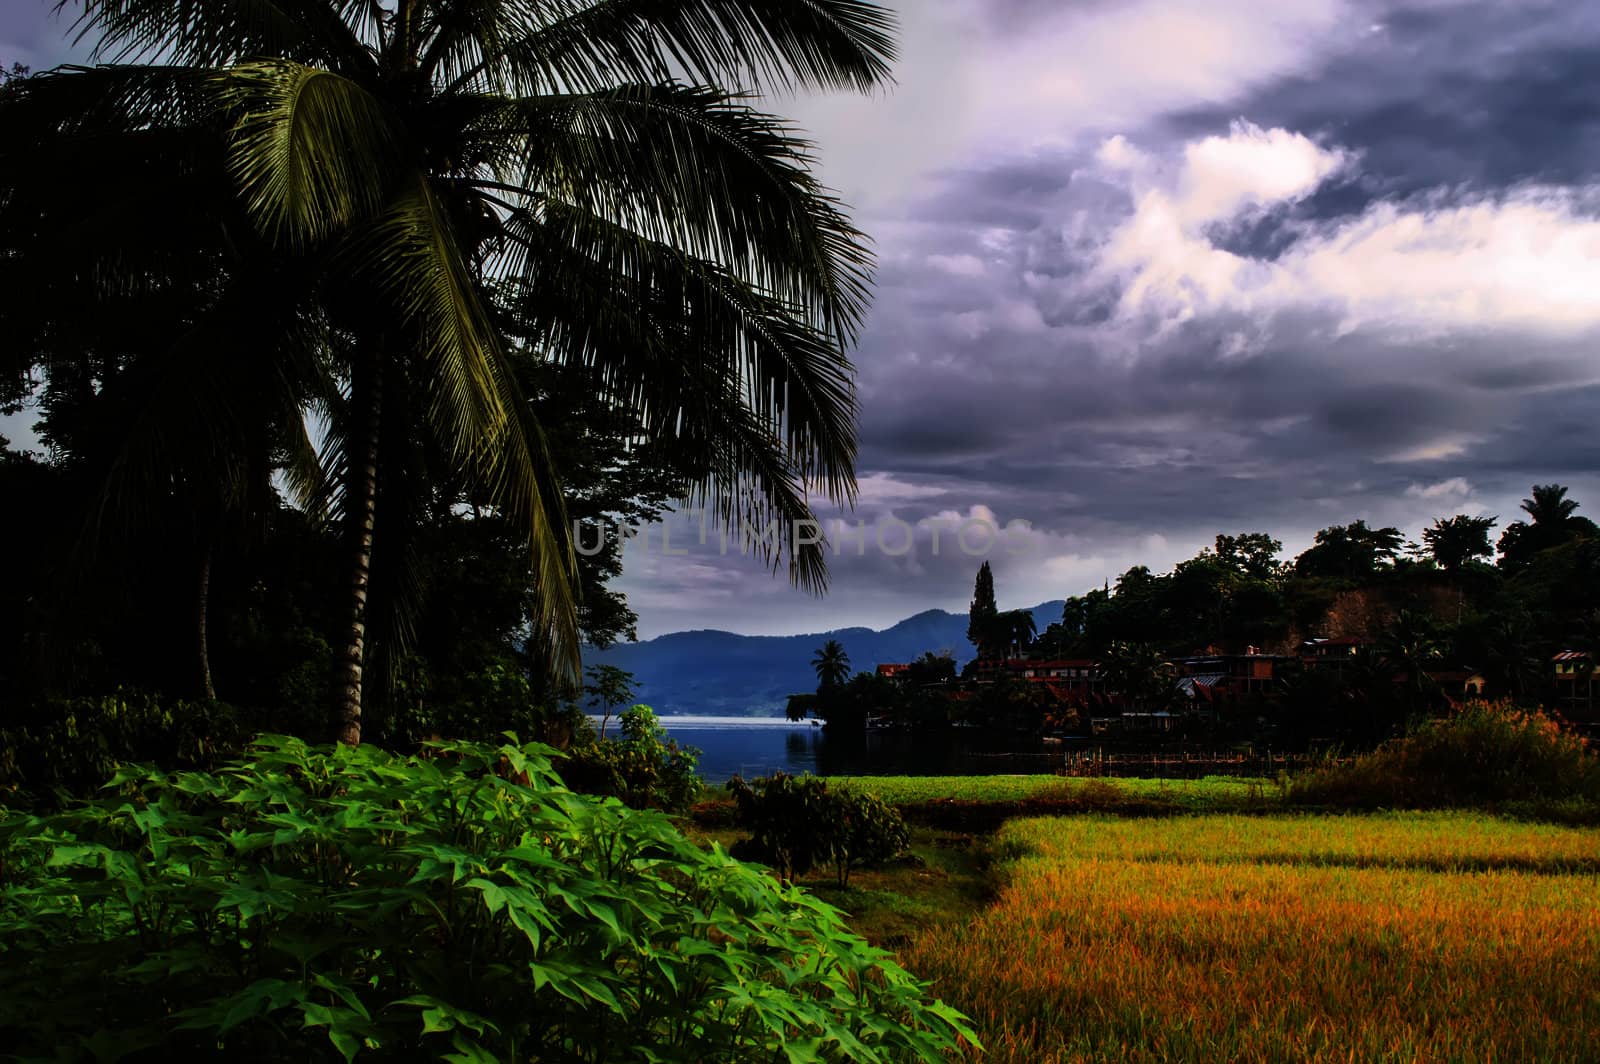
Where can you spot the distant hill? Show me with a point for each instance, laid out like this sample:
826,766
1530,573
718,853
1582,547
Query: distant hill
724,673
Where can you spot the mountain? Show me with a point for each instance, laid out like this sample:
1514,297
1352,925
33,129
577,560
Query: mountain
715,672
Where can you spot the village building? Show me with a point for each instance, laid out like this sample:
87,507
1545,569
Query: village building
1211,675
1573,673
1334,653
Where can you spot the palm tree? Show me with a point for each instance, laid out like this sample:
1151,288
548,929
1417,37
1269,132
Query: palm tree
1134,671
1513,662
1411,645
425,175
1019,628
1549,506
832,666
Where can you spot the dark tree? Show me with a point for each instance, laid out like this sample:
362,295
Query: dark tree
931,668
1553,523
1455,541
357,177
1252,554
1016,630
1549,505
981,615
1350,552
608,688
832,666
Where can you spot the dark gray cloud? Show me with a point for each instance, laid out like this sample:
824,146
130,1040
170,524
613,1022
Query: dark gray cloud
1374,301
1480,94
1003,369
33,34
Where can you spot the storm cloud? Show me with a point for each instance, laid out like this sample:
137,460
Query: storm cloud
1153,270
1167,270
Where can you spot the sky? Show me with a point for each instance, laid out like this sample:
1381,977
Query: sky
1152,270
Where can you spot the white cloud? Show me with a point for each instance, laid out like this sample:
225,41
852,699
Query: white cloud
960,265
1526,260
970,83
1454,488
1099,66
1452,445
1252,167
875,488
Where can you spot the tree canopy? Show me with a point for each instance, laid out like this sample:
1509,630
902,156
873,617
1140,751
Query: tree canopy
407,226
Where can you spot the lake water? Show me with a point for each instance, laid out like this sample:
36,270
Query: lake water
760,746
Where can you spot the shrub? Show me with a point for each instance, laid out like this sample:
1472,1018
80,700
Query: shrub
1484,754
644,768
316,905
796,823
68,748
784,815
863,831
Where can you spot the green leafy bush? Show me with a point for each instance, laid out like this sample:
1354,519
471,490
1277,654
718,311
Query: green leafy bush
784,816
1485,754
68,748
797,823
863,831
309,904
644,768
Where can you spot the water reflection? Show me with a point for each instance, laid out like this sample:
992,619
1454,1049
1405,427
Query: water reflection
752,747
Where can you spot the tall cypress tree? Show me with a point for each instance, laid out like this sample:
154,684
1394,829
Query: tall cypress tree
981,616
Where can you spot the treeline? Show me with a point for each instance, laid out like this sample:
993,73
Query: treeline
232,592
1503,607
1426,619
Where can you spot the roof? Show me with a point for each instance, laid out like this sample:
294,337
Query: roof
1337,641
1204,680
1050,663
1572,655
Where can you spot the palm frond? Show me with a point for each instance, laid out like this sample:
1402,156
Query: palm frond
663,327
312,151
695,169
410,258
523,480
216,33
751,487
757,408
763,45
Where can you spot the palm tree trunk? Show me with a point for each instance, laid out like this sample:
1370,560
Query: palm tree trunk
202,640
366,400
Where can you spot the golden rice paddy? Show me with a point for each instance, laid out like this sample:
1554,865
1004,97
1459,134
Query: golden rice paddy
1417,937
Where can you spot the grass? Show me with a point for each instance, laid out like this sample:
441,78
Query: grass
1186,794
1317,938
945,877
980,804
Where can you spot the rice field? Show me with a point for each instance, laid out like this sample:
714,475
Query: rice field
1417,937
1208,792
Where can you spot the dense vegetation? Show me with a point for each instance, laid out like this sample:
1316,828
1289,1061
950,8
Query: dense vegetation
1395,938
1422,617
1484,756
642,766
478,269
1420,606
796,823
334,318
461,904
